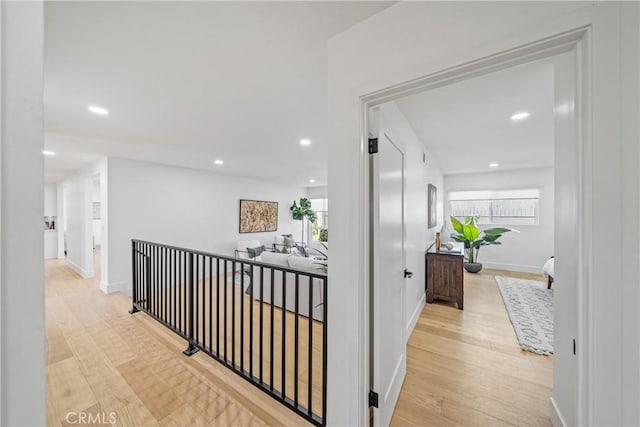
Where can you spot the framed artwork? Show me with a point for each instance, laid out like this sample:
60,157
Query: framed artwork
258,217
432,218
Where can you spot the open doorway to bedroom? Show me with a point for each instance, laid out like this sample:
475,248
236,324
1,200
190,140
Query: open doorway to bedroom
489,180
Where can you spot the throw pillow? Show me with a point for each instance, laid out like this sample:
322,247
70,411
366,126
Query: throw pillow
289,240
254,252
302,250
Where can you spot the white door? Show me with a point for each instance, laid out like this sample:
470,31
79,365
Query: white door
389,362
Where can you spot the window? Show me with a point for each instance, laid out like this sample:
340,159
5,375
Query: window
497,207
321,207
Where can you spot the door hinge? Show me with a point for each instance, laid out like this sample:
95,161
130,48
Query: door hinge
373,399
373,145
574,346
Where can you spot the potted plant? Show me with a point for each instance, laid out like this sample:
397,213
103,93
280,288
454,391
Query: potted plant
468,233
301,210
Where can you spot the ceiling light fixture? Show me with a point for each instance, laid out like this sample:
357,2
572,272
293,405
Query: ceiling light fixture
219,162
98,110
520,116
312,181
493,165
305,142
48,153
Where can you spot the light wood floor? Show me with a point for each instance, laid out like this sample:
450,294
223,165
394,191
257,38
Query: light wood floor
102,360
464,367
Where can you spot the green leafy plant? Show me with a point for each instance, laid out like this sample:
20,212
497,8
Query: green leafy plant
324,235
301,210
473,238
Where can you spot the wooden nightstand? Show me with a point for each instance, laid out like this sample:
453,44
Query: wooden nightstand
445,279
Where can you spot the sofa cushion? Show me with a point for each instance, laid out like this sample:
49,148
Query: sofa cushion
275,258
302,263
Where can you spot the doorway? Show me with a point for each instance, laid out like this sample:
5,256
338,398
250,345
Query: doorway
569,167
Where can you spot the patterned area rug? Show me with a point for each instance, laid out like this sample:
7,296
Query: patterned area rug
530,307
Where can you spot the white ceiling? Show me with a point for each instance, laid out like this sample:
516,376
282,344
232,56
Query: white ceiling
466,125
186,83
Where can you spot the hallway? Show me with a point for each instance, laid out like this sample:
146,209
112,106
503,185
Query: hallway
464,367
107,363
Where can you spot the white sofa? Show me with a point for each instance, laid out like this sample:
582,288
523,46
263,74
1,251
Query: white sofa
304,265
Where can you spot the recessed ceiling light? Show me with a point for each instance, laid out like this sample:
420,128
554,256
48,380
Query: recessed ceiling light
493,165
305,142
48,153
98,110
312,180
520,116
218,162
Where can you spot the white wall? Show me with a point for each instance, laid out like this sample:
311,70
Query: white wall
75,209
418,176
96,223
183,207
80,227
319,192
22,328
51,200
414,39
533,245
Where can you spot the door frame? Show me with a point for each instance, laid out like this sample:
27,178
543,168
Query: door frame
577,40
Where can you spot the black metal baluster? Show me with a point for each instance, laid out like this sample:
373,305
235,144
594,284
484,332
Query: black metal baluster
184,291
155,281
148,278
251,284
204,293
134,278
218,307
261,323
164,283
324,349
284,333
273,302
175,284
191,349
225,311
211,304
233,315
295,343
241,316
310,368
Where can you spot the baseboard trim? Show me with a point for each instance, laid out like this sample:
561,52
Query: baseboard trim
556,417
513,267
85,274
414,317
109,288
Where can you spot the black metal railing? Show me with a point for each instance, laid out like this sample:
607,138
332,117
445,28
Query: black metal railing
265,322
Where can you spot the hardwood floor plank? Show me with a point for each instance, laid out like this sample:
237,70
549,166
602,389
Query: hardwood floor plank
68,389
465,367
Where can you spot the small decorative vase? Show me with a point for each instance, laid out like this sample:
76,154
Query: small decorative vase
473,267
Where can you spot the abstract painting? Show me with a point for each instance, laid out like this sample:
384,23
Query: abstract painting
258,217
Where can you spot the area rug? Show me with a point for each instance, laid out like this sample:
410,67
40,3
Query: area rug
530,307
